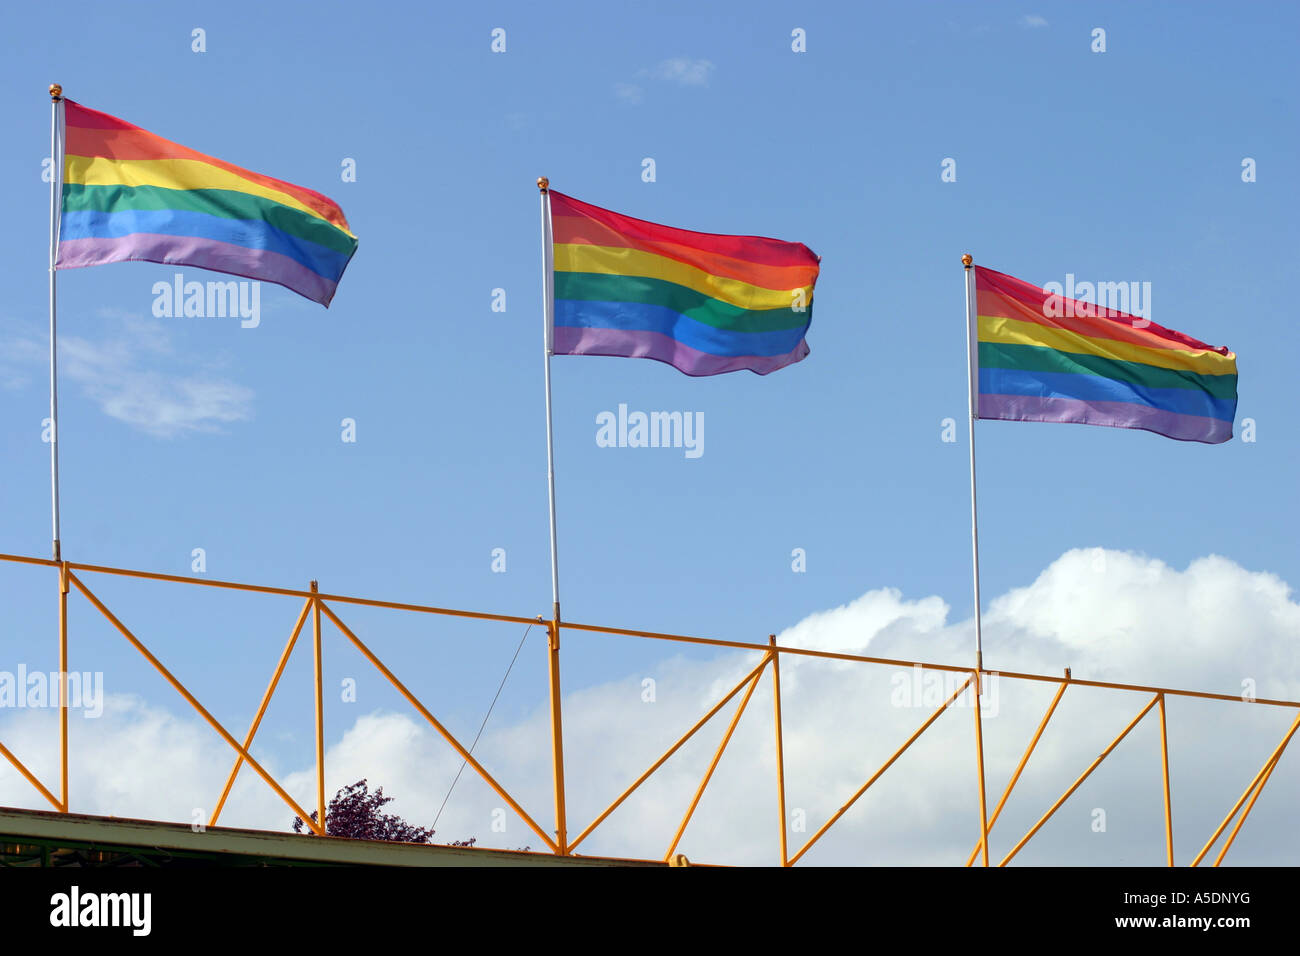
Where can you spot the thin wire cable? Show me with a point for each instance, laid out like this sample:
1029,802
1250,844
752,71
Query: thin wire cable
465,763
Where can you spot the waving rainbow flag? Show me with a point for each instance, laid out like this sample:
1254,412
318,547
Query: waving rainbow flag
129,194
702,303
1046,358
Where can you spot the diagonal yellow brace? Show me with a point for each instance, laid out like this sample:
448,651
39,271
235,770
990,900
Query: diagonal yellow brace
1227,844
446,734
887,764
671,750
1078,783
193,701
1015,777
708,775
31,777
261,711
1260,778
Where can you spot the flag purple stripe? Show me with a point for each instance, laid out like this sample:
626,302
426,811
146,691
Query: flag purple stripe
1036,408
260,264
629,343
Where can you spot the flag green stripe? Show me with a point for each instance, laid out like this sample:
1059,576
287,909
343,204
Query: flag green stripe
1030,358
225,203
598,287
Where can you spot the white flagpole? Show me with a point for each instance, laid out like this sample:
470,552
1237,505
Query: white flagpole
548,309
553,651
972,399
56,188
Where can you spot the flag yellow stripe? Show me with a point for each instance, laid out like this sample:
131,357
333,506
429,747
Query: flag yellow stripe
619,261
171,174
1005,331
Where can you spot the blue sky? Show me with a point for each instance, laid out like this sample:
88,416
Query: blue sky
1117,166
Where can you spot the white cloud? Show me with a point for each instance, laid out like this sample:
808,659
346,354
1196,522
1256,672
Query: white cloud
1107,614
1033,21
678,71
629,92
684,71
22,355
133,373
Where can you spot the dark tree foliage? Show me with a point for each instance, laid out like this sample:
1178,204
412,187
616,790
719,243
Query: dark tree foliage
357,813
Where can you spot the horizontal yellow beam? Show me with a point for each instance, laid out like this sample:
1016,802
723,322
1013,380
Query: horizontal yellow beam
655,635
264,589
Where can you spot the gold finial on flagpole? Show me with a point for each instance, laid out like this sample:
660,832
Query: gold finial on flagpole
967,259
543,183
56,92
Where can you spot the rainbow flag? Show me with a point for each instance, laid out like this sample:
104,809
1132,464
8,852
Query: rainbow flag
702,303
1043,357
131,195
